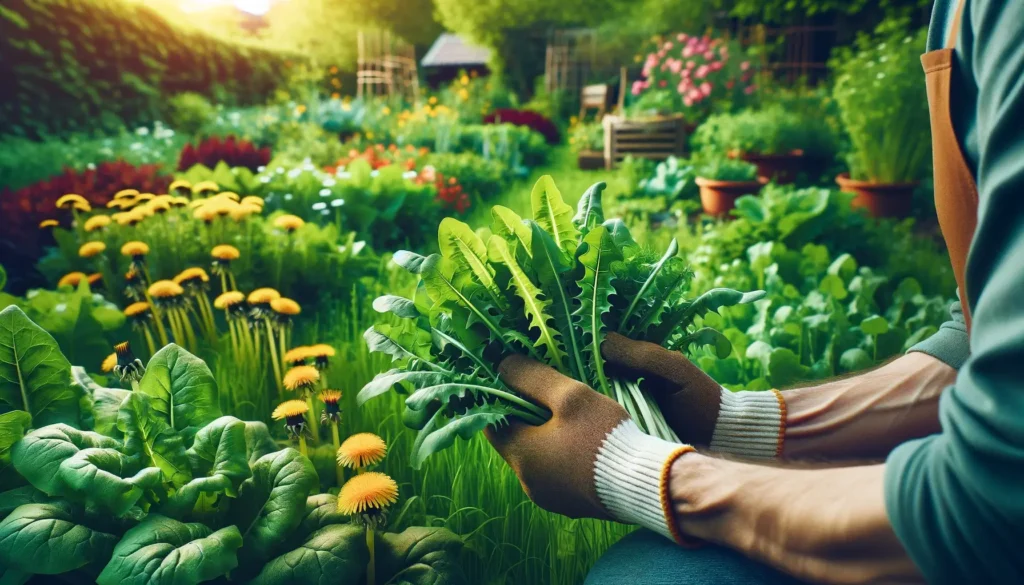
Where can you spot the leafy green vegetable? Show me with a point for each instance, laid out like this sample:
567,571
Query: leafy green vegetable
183,388
49,539
34,375
562,282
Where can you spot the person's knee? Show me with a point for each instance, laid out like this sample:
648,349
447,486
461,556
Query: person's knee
645,558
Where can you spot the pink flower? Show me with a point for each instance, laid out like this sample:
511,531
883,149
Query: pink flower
724,52
701,72
687,101
667,46
681,37
709,55
695,95
688,51
705,88
675,65
749,89
647,69
681,88
690,64
744,65
662,83
638,87
685,73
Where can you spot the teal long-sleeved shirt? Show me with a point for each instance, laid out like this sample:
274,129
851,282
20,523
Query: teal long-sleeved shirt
956,499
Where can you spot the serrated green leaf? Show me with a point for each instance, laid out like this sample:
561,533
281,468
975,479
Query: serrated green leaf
594,301
534,305
396,305
163,551
183,388
552,213
508,225
468,255
150,441
648,286
34,375
440,433
438,274
398,344
552,268
589,210
49,539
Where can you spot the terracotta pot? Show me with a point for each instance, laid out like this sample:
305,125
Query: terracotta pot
590,160
719,197
781,168
880,199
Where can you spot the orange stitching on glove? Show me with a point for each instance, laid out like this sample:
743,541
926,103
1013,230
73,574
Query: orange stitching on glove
666,499
782,422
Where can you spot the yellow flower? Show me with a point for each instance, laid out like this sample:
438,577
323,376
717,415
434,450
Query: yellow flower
180,184
179,201
196,203
290,408
90,249
432,100
144,197
71,200
48,223
95,278
228,299
296,355
263,296
244,210
463,94
165,289
362,450
464,80
285,306
71,279
127,218
138,309
97,223
386,111
369,492
321,354
225,253
158,206
205,187
120,203
189,275
83,207
229,195
300,109
108,363
330,396
301,378
126,194
205,213
135,249
252,200
290,223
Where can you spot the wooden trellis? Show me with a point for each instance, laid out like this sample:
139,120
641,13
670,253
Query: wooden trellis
387,67
790,53
569,61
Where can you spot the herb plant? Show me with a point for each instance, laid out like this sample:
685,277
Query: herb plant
726,169
551,287
772,130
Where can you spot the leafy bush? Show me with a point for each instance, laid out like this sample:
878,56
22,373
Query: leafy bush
883,105
61,86
587,136
230,150
482,179
551,288
690,73
726,169
672,178
530,119
120,486
188,112
772,130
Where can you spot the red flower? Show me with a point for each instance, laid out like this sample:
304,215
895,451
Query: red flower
233,151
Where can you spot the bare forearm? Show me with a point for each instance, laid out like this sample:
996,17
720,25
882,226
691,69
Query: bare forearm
866,416
826,526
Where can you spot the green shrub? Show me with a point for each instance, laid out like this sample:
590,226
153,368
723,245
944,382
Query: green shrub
883,105
772,130
481,179
188,112
88,64
726,169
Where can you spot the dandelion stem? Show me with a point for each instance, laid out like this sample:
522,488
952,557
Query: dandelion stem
234,285
149,340
302,446
371,567
223,280
314,426
273,356
337,445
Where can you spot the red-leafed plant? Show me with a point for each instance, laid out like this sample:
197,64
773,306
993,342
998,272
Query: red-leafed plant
235,152
537,122
21,240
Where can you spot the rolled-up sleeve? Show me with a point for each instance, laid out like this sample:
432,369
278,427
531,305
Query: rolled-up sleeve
956,499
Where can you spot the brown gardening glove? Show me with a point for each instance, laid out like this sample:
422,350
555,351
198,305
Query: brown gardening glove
688,397
555,461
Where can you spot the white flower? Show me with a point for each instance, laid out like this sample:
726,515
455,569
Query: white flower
60,307
337,203
319,206
325,192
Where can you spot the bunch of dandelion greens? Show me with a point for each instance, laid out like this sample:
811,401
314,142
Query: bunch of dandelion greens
550,287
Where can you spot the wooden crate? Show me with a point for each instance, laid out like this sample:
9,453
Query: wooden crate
653,138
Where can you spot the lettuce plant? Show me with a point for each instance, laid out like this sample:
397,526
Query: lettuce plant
158,486
550,287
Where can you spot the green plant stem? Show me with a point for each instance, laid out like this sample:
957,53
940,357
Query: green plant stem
149,340
186,326
223,281
302,446
336,440
371,567
314,425
273,357
231,276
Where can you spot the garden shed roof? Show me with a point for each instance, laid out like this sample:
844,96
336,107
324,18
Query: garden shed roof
451,50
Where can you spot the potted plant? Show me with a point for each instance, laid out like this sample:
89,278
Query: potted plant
773,138
724,180
587,141
884,108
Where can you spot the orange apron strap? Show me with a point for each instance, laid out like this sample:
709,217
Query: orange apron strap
954,32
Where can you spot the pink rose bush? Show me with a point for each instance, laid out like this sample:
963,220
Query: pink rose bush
695,70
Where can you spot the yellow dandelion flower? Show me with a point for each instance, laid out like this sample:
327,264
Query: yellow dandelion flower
362,450
180,184
165,289
229,195
90,249
369,492
197,203
289,223
95,278
158,206
126,218
205,187
71,279
71,200
179,201
263,296
143,211
190,275
252,200
244,210
330,396
205,213
296,355
48,223
229,299
301,378
126,194
285,306
225,253
290,408
135,249
144,197
97,223
108,363
119,203
83,207
138,309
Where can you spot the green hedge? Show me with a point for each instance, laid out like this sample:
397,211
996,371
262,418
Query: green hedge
83,65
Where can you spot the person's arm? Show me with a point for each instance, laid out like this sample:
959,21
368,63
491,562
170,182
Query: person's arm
821,525
956,500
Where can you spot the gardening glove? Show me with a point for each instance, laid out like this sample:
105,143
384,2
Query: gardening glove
699,410
589,460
